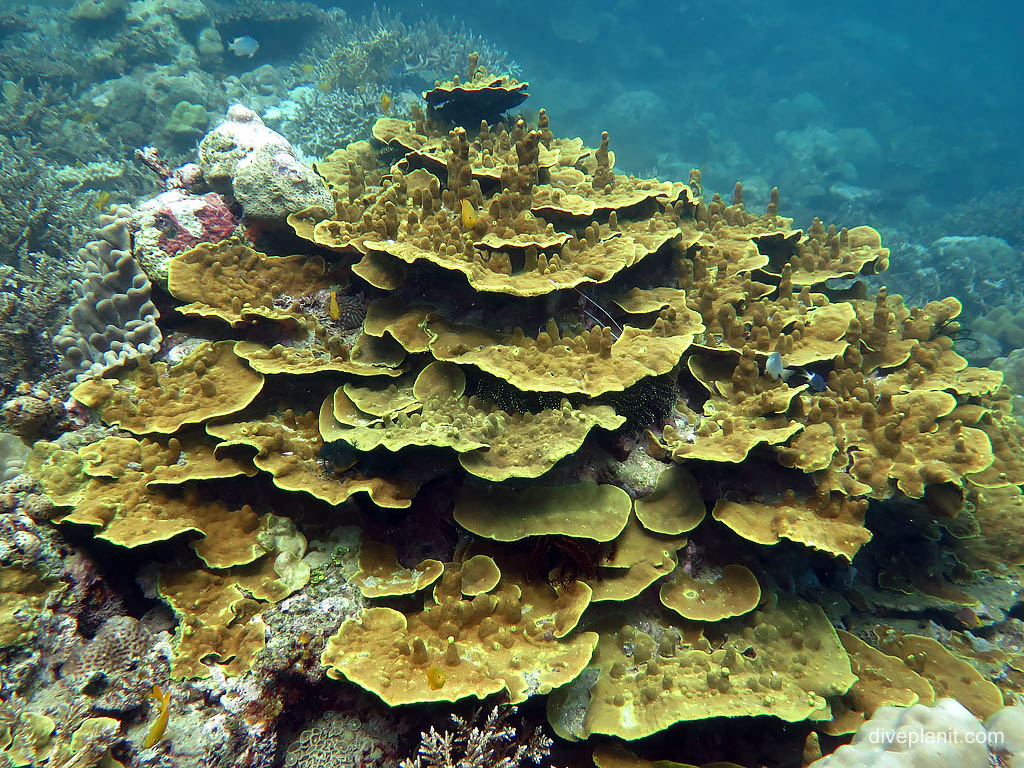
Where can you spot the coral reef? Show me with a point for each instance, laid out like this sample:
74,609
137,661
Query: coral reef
488,419
83,87
583,283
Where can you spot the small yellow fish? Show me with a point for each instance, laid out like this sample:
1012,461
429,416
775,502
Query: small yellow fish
469,214
102,198
307,68
333,307
324,86
156,730
385,103
436,678
969,618
87,118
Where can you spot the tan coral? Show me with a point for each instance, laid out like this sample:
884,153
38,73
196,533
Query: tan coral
590,363
582,201
727,439
487,154
59,472
234,283
376,400
515,638
219,621
639,558
882,680
380,574
907,440
829,522
479,95
24,593
217,625
636,685
288,447
368,356
487,266
582,510
822,254
393,131
211,381
344,170
480,574
948,674
499,243
128,514
713,595
173,462
674,506
802,336
404,322
124,499
491,443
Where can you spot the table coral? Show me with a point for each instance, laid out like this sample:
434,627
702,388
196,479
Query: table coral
211,381
642,686
598,512
506,639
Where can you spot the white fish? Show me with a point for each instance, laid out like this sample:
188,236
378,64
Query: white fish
244,46
773,367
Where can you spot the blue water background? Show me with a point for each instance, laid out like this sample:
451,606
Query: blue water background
897,110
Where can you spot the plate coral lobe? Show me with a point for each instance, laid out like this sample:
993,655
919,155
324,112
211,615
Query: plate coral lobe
409,462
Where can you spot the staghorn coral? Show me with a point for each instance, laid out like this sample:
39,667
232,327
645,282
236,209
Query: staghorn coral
490,741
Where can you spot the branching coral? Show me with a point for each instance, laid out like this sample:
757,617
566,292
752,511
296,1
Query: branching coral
33,300
36,213
482,742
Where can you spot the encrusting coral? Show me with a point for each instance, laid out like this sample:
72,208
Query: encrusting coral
508,299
